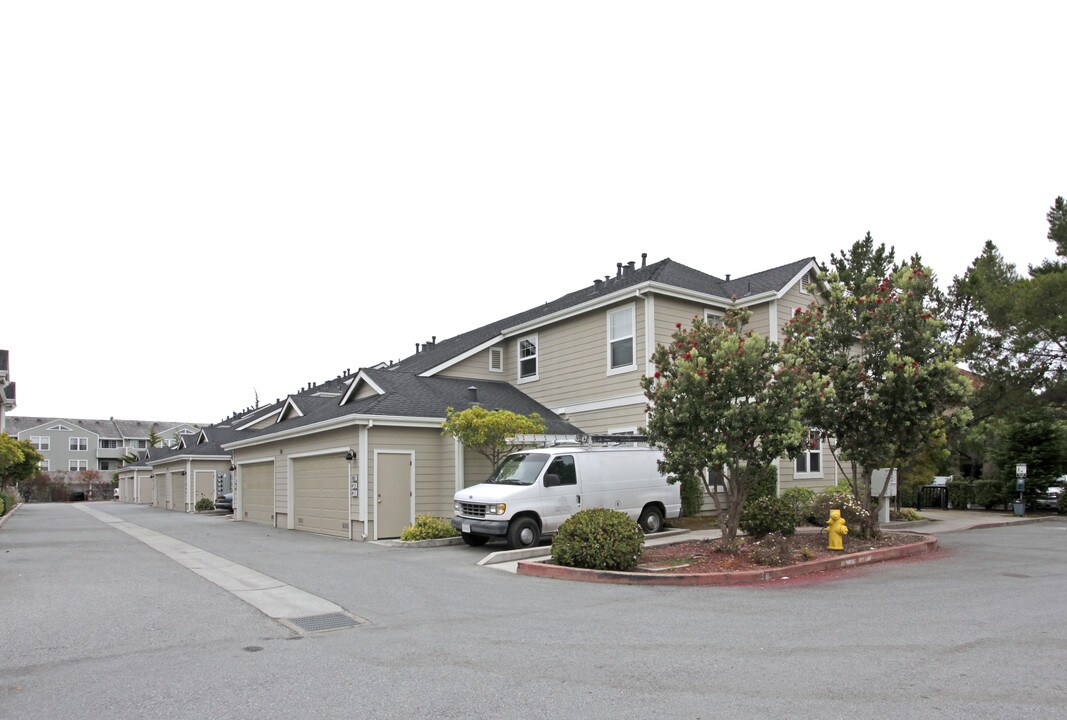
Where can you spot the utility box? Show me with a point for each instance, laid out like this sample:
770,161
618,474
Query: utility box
223,483
878,480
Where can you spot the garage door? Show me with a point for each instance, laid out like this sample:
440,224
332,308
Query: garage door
257,493
320,495
144,490
177,492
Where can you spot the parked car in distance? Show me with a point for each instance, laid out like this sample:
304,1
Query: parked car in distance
1052,497
224,502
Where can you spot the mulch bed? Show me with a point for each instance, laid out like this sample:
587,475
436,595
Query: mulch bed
707,556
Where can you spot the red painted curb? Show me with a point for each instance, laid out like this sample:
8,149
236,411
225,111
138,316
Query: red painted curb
540,569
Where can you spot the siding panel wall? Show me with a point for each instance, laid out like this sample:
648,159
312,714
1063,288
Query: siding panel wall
477,367
573,360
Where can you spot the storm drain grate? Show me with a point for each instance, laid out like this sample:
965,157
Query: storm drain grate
321,623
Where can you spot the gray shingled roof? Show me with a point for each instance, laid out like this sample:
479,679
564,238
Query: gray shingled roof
666,272
407,395
104,428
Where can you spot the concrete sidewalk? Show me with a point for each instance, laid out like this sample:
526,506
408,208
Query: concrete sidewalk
945,521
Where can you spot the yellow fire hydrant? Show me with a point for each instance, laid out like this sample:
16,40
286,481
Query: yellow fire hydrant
836,529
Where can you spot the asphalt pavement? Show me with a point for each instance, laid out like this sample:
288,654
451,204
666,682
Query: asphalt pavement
100,624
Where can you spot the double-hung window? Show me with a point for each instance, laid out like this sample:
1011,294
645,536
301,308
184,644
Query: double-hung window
622,350
809,461
79,443
41,442
75,465
528,358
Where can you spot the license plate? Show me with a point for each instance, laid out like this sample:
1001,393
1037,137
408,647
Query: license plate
466,527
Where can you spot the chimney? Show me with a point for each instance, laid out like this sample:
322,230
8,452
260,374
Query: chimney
644,258
598,283
727,277
618,270
472,394
630,267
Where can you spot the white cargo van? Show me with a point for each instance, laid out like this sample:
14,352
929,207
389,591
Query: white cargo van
532,492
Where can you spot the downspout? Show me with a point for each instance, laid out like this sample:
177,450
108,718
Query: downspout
190,487
460,462
364,431
350,499
650,328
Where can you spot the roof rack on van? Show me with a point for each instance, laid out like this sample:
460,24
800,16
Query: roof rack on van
546,441
613,439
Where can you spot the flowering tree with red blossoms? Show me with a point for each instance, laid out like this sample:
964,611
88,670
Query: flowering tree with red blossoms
724,399
876,339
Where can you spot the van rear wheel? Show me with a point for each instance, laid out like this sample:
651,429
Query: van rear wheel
475,540
651,521
523,533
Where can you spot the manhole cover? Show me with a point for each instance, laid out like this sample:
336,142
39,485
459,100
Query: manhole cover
321,623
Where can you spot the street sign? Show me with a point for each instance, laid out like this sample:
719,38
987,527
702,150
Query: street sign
1020,470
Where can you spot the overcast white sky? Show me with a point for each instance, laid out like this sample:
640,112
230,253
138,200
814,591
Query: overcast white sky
199,200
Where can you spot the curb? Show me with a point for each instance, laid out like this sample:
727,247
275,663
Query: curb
440,542
926,545
1005,523
9,513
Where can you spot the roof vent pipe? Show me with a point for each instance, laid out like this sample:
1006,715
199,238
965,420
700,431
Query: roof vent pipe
630,267
727,277
644,258
618,270
472,394
598,283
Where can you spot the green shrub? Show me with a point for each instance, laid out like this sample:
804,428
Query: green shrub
7,502
852,510
599,539
693,495
428,527
988,493
960,493
204,504
765,485
768,515
800,499
905,515
3,505
773,550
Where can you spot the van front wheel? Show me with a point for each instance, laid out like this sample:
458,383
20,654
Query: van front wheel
523,533
651,521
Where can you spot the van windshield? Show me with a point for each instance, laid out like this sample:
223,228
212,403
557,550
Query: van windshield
519,469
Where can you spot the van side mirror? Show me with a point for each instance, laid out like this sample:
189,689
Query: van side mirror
551,480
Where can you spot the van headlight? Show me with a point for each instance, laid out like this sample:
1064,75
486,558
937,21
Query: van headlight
497,509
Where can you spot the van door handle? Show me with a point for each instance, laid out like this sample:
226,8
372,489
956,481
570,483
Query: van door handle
579,497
